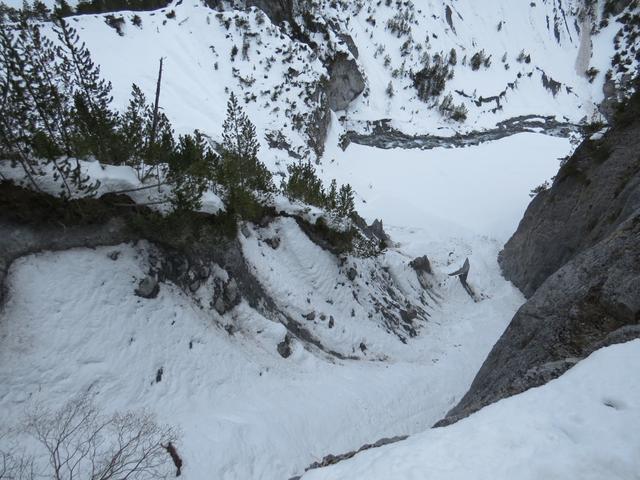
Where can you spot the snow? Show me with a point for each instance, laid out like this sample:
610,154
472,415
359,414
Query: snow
581,425
277,79
109,179
480,190
72,322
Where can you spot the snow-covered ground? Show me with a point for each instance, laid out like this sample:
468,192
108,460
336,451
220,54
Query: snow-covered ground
72,322
479,190
581,425
277,77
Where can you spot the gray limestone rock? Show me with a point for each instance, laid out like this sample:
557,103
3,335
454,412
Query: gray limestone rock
576,255
345,82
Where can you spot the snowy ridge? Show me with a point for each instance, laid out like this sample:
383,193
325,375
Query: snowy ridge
311,283
333,351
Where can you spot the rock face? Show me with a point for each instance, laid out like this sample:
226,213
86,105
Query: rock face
318,127
277,10
345,82
576,254
421,264
595,191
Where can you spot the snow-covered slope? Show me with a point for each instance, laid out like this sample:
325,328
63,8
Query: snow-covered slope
582,425
534,59
72,323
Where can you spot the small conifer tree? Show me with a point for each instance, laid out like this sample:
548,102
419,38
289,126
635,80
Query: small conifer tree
190,171
303,184
239,170
346,204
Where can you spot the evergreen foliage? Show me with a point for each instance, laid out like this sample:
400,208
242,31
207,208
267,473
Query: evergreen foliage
345,204
454,112
239,171
135,128
190,171
479,59
389,91
430,81
37,112
91,96
303,184
56,108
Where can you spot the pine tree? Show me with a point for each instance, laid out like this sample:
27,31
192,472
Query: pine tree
346,201
15,114
240,168
332,195
453,57
91,95
190,171
30,65
390,92
39,72
303,184
135,128
40,11
239,134
62,9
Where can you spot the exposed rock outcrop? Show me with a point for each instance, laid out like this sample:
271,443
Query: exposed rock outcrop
345,82
318,127
333,459
576,254
595,191
148,287
277,10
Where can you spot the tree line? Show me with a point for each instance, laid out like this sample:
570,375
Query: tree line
38,10
56,109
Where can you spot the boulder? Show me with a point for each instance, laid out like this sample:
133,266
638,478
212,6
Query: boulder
351,45
421,264
148,288
352,274
284,347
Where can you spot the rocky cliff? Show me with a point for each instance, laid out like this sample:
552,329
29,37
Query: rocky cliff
576,255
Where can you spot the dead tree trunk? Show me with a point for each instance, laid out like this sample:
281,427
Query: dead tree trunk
173,453
155,121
